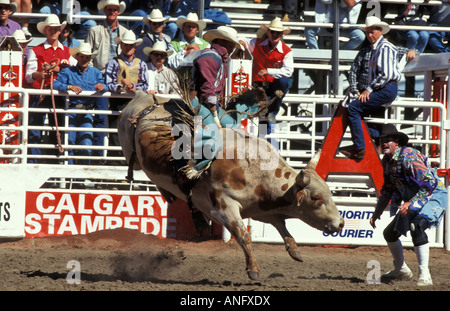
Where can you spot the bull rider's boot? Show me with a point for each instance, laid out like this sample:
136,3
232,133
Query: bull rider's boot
401,270
423,257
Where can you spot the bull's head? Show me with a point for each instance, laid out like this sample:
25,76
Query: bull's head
316,207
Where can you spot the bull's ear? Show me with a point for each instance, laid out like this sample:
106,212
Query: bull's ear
302,179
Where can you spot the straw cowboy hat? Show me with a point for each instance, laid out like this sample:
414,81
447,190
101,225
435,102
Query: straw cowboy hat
19,35
103,3
84,48
12,5
156,16
225,33
53,21
277,25
128,37
159,46
391,130
373,21
193,18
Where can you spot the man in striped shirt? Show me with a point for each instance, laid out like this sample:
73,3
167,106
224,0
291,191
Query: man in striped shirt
382,89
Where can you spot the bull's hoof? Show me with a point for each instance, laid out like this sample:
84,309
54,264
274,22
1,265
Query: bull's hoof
253,275
295,254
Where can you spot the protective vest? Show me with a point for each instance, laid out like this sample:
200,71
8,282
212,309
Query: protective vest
128,72
46,56
263,58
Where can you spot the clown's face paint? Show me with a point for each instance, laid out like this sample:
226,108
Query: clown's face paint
388,145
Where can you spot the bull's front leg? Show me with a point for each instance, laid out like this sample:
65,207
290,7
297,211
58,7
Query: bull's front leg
234,223
289,242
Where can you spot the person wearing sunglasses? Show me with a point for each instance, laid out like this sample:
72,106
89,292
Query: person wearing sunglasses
7,25
156,22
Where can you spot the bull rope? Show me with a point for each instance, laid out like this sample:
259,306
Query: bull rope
48,68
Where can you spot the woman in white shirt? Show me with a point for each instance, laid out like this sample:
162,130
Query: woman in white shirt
162,79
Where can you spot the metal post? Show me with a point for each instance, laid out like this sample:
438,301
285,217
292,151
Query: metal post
335,51
201,14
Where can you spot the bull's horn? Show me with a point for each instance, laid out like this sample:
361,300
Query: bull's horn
315,159
302,179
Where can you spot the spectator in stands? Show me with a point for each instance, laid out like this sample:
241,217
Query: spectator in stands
7,25
439,16
46,53
124,74
273,66
101,38
83,25
348,13
156,21
19,35
66,37
162,80
417,197
24,6
381,87
77,79
411,14
188,40
291,9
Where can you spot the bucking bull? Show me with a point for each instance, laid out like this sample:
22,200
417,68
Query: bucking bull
258,184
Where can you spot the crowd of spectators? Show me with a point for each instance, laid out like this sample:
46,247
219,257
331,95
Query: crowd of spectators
134,55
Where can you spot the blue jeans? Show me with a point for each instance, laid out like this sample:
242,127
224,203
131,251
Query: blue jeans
356,37
357,110
99,121
283,84
38,119
435,41
416,40
83,138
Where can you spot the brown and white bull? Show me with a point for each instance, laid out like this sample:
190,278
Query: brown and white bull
259,185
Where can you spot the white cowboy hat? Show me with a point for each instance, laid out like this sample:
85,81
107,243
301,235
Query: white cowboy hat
12,5
84,48
19,35
373,21
128,37
159,46
225,33
53,21
193,18
277,25
103,3
155,16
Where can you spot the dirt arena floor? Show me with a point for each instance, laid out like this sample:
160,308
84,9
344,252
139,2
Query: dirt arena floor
126,260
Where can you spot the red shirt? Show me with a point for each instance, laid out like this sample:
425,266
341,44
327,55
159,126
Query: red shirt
264,58
44,55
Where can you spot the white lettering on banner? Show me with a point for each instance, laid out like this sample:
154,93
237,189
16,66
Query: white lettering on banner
81,213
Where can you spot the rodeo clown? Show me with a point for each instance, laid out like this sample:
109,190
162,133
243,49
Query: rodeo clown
417,195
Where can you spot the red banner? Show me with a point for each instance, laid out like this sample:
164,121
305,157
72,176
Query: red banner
59,213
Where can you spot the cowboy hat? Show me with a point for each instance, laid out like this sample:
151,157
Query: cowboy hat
391,130
155,16
159,46
103,3
225,33
193,18
12,5
128,37
19,35
84,48
276,25
373,21
53,21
